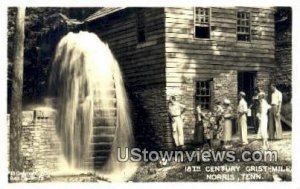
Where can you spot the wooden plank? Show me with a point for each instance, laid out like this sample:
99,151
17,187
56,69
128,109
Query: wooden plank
199,68
224,10
253,43
189,22
263,40
181,10
192,61
223,15
220,43
217,52
188,46
146,80
188,77
154,64
188,68
139,64
179,16
223,20
218,58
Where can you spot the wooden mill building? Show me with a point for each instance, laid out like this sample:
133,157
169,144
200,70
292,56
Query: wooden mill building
195,53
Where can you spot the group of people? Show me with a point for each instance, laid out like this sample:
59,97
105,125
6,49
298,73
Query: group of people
268,116
218,123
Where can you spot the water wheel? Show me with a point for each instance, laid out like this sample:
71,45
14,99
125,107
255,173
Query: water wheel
104,127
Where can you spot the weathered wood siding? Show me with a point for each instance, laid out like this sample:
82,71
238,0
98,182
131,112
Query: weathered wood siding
194,57
142,64
220,57
172,60
144,70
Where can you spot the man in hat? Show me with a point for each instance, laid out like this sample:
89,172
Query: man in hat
175,111
242,117
275,128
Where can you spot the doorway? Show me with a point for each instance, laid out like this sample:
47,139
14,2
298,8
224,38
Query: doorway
247,83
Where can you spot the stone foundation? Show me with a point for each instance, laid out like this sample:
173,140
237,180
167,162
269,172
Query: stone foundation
150,116
263,82
185,95
40,146
224,85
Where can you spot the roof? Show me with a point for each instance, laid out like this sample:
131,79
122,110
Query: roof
103,12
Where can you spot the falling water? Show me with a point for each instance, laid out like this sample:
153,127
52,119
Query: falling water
93,114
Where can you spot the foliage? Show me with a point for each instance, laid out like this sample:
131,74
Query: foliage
44,28
283,18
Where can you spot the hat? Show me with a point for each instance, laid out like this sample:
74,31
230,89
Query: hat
242,94
261,95
226,101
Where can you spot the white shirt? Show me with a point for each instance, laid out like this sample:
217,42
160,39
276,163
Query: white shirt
276,98
264,107
175,109
242,107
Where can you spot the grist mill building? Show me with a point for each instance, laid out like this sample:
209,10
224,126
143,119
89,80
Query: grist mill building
195,53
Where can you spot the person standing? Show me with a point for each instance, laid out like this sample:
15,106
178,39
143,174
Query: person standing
275,128
227,130
255,108
218,111
242,117
175,111
199,129
262,116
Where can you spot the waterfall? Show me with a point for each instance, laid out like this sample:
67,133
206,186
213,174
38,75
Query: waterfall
91,101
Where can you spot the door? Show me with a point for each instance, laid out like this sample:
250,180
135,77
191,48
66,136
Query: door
246,83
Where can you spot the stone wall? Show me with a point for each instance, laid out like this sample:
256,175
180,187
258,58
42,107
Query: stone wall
40,146
185,95
225,85
263,82
152,128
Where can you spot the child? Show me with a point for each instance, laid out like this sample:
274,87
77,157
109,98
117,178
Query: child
208,128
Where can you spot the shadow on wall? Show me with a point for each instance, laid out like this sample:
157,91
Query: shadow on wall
143,130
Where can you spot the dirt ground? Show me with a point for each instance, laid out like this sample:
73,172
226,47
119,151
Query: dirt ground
177,172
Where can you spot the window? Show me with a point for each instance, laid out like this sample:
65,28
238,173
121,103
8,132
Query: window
203,93
141,27
243,26
202,22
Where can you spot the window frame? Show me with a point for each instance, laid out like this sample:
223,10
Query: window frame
198,96
250,26
195,24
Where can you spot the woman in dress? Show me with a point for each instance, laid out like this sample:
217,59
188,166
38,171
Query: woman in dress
208,123
227,128
262,116
199,129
